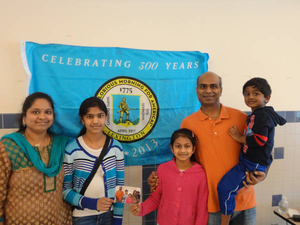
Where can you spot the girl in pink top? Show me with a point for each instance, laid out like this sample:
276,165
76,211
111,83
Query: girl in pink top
129,199
181,195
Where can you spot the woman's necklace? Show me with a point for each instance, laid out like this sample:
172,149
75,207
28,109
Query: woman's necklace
34,143
44,155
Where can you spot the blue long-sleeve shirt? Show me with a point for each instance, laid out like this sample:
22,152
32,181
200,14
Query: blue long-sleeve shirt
78,165
259,133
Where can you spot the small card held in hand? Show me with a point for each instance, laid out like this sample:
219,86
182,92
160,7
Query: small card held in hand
128,194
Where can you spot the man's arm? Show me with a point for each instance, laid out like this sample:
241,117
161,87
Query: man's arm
152,181
254,178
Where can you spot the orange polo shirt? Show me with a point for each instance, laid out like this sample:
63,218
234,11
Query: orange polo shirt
119,195
218,152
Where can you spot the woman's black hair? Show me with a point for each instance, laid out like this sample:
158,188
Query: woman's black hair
84,108
28,103
185,133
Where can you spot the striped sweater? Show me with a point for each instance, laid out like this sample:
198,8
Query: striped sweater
78,165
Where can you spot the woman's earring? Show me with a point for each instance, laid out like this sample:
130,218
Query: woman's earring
23,123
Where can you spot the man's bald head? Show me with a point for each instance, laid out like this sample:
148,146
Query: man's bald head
209,73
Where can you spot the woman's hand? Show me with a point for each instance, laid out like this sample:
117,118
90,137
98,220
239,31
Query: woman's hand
103,204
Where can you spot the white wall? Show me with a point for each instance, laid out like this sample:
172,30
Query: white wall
243,38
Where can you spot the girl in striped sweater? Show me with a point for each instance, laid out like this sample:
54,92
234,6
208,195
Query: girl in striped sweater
95,205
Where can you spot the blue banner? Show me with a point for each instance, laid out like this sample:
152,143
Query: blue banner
147,92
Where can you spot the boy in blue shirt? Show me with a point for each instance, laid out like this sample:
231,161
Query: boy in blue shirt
257,140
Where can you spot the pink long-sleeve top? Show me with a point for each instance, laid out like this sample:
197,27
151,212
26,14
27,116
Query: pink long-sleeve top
181,196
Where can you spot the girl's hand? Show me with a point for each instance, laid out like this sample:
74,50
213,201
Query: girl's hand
236,135
152,181
103,204
135,209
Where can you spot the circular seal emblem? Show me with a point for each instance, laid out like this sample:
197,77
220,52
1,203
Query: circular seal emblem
132,108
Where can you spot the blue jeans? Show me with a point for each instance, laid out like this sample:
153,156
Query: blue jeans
246,217
101,219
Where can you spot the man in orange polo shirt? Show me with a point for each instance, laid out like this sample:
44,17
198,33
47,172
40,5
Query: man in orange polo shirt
216,151
119,195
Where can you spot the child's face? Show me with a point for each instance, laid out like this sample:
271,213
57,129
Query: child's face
133,199
183,149
254,98
94,120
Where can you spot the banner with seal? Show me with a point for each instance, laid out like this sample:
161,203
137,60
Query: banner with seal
147,92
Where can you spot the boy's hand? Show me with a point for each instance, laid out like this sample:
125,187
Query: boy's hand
135,209
103,204
254,178
152,181
236,135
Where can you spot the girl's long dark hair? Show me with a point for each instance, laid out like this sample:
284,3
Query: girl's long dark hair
84,108
183,132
